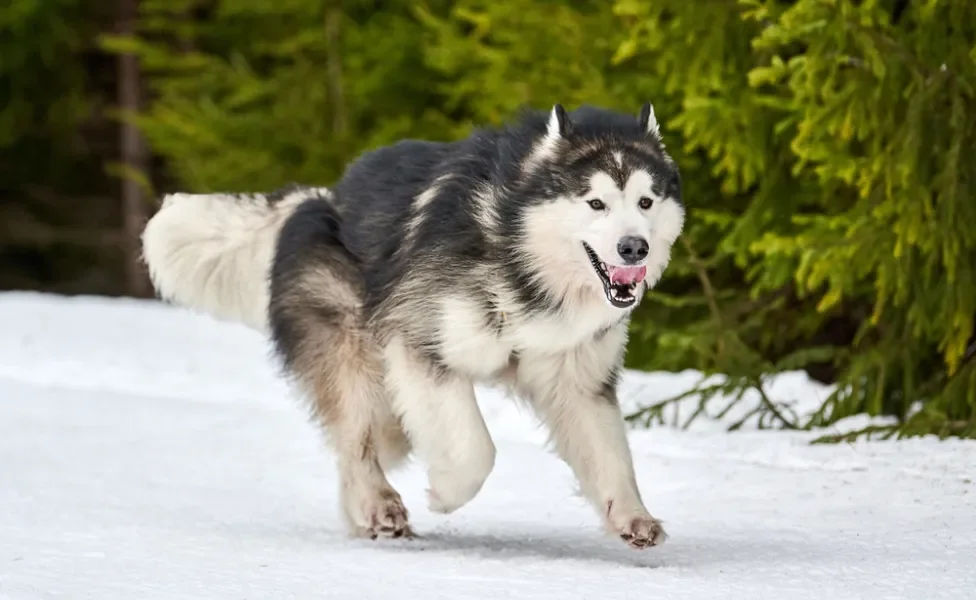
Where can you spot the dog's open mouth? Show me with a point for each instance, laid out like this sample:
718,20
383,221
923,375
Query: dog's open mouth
619,283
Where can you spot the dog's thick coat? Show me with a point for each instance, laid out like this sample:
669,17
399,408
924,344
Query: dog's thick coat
514,256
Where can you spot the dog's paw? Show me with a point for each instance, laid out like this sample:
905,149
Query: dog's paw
643,532
389,519
450,489
640,531
383,516
446,494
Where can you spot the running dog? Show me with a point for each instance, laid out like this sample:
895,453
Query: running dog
514,256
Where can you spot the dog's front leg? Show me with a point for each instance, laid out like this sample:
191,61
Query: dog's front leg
440,414
577,401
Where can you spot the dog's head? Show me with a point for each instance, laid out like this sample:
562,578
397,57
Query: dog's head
606,206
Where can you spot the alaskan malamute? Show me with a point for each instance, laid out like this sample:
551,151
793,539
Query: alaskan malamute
514,256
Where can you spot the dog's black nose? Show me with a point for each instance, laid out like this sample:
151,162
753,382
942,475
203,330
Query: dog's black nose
632,249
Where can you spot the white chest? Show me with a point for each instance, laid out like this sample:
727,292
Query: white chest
554,334
469,341
482,346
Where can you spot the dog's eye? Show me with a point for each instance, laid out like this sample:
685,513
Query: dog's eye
645,202
596,204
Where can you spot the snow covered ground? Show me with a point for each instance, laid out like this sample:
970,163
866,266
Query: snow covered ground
146,452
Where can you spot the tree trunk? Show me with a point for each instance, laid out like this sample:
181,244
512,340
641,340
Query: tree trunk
133,151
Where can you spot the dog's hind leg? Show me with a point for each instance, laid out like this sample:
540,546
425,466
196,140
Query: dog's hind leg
317,329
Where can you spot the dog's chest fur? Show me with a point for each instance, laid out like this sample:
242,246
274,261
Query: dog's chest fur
483,343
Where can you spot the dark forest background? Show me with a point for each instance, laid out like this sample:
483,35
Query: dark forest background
827,150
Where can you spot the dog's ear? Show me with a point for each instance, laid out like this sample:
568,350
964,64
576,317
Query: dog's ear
559,124
648,121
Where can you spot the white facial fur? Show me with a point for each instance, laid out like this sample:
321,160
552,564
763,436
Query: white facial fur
557,229
603,229
622,217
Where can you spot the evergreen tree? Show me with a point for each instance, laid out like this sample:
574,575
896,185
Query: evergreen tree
844,239
59,213
821,143
251,94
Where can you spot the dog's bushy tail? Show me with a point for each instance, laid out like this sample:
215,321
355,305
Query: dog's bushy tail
213,252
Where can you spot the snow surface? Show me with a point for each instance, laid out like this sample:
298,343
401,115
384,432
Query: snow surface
146,452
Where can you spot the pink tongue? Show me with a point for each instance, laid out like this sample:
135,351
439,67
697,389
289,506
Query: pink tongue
626,275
